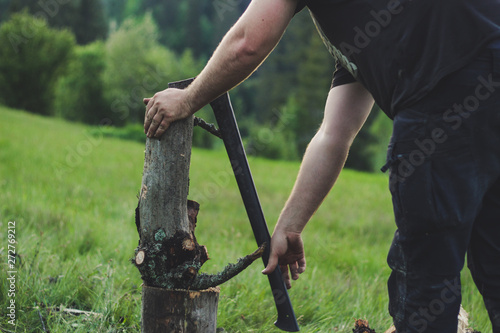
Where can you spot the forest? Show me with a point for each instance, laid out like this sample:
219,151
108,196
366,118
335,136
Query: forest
73,75
93,61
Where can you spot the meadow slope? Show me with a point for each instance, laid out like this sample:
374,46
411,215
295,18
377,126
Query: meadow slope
72,195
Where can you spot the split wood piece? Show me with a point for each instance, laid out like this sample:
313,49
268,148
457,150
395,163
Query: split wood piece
463,323
361,326
74,312
467,330
392,329
179,311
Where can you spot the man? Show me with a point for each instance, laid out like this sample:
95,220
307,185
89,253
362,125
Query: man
434,67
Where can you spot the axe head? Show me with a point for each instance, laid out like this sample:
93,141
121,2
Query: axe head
286,316
287,323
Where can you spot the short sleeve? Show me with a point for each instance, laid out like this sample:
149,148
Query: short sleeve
341,76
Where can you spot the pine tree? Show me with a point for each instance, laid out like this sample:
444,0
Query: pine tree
93,24
4,6
85,18
114,10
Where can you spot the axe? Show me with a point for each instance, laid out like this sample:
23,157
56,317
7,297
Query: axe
230,133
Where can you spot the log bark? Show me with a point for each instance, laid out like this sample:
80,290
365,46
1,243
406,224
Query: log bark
179,311
168,256
164,189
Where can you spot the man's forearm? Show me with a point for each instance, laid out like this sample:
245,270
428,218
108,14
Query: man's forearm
346,110
320,168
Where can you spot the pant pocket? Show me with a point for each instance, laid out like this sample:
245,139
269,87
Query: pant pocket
433,186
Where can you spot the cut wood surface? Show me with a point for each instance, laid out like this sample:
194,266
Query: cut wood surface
179,311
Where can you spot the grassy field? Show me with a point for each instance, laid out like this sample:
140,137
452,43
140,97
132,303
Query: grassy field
72,195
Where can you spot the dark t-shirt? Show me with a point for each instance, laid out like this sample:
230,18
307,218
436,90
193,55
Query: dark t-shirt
400,49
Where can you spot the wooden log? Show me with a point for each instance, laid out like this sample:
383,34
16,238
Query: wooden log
168,255
164,189
175,297
179,311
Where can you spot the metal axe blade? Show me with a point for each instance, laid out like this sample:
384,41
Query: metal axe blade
228,127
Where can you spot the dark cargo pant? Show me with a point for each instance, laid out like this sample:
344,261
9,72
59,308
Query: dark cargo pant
444,159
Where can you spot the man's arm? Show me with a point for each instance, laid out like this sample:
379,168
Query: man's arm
241,51
346,110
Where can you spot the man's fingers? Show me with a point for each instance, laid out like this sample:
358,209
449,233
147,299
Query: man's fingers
294,270
155,123
161,129
271,265
302,265
285,276
149,114
297,268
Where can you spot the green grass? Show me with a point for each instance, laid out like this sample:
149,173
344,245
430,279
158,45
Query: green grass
72,194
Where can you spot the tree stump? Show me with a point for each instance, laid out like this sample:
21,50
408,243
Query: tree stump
180,311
